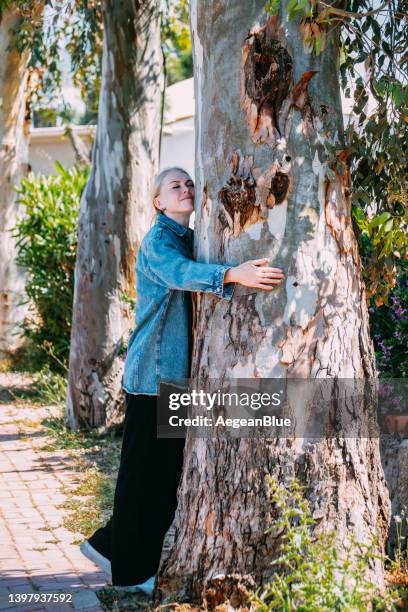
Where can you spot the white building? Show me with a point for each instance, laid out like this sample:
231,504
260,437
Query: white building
48,145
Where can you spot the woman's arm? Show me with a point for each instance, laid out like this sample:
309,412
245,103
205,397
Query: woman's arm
165,264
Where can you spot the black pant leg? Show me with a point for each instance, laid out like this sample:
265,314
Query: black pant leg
101,539
145,495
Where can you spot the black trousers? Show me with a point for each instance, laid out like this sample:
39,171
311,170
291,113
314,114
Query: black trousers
145,496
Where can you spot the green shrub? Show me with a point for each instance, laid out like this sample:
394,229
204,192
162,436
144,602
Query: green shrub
49,387
314,573
389,329
47,241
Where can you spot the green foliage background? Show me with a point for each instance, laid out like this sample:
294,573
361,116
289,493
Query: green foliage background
47,240
176,41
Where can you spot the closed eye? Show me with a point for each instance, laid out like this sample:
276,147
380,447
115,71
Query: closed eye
190,185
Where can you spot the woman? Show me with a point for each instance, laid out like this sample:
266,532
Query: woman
159,349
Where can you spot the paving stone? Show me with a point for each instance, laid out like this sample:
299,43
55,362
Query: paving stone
32,486
22,589
17,581
4,598
86,599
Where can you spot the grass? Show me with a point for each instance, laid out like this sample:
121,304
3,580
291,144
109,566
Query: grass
49,387
62,438
116,601
40,549
46,388
96,459
90,504
22,423
49,384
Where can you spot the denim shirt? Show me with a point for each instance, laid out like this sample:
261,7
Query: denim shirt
160,347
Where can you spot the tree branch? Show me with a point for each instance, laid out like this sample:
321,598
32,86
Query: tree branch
348,14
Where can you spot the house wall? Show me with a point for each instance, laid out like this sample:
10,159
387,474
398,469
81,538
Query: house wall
48,145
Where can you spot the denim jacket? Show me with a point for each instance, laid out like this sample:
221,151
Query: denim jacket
160,347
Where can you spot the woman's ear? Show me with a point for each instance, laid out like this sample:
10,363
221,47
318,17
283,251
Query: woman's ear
156,203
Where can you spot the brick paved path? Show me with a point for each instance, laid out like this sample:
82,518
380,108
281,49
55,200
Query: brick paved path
37,555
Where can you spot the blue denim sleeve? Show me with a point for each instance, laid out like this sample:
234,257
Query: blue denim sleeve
165,264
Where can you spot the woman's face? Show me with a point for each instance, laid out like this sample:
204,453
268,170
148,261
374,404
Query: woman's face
176,194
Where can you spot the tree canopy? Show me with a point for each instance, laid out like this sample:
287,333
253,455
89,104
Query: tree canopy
373,70
76,27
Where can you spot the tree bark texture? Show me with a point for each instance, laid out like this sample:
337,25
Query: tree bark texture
268,184
394,454
115,210
14,127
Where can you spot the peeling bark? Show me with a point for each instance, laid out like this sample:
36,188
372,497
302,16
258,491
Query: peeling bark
238,195
278,190
115,210
338,215
266,76
14,128
315,326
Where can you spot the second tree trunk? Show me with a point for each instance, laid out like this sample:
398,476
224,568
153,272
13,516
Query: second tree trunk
115,210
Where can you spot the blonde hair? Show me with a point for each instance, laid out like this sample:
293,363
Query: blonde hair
158,182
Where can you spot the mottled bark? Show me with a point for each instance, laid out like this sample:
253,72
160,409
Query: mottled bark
394,453
115,210
14,126
267,186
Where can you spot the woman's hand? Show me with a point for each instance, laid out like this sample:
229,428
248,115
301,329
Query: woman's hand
255,273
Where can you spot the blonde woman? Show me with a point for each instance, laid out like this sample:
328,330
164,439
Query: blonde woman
129,546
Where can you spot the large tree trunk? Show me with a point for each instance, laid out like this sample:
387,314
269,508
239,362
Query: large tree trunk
115,209
266,187
14,127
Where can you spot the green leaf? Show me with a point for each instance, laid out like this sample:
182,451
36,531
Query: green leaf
387,248
399,94
378,220
388,225
319,44
272,7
